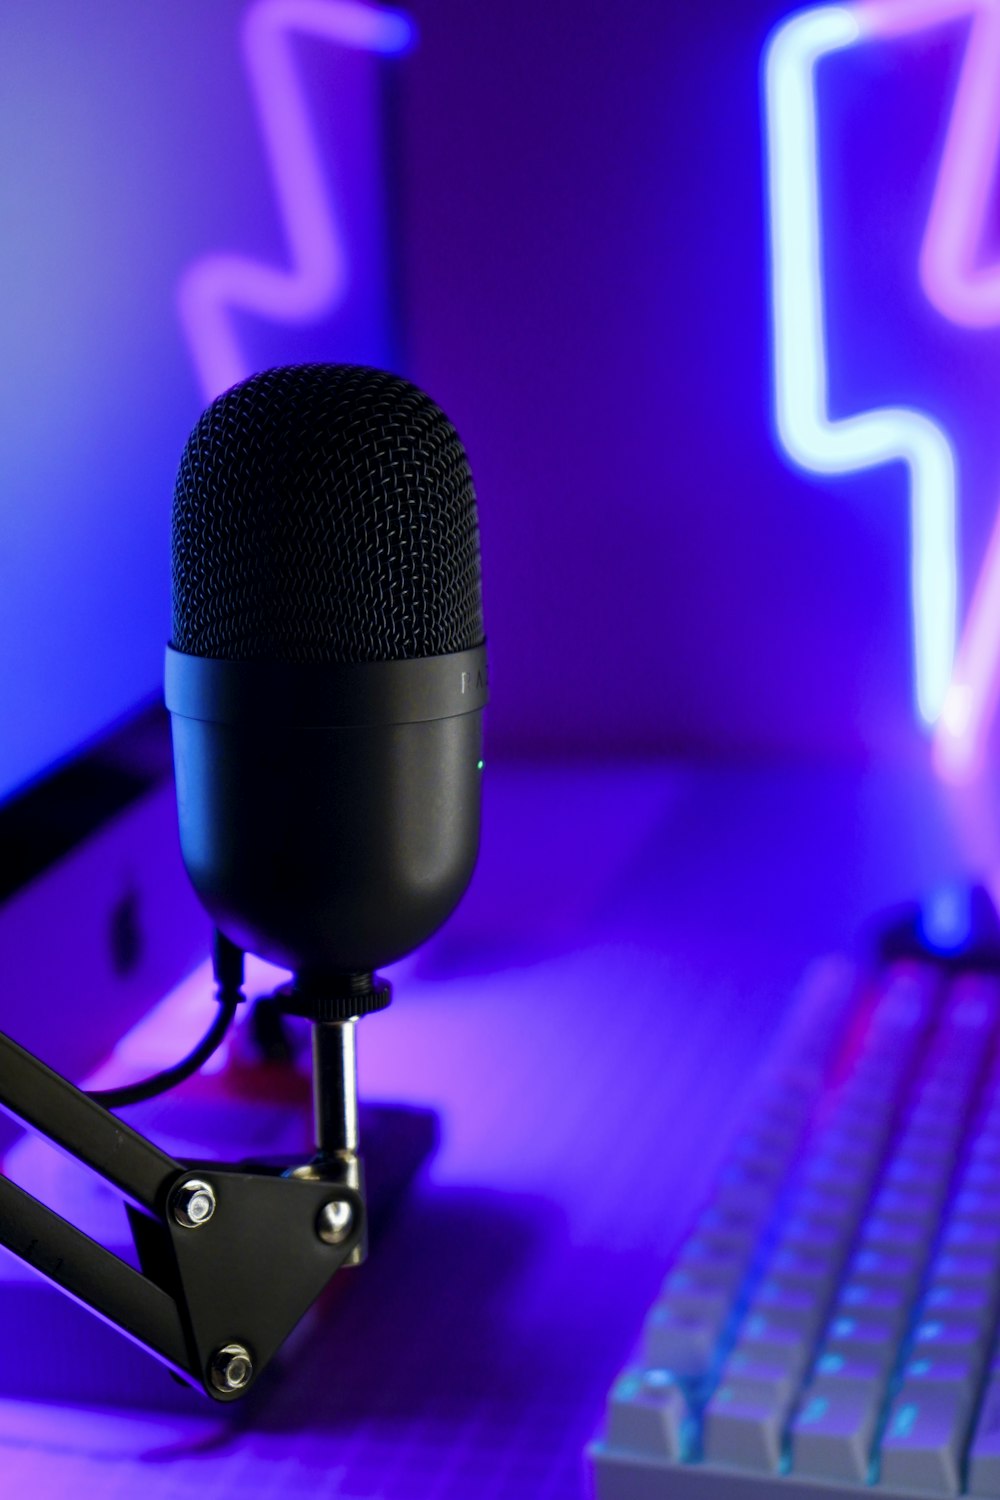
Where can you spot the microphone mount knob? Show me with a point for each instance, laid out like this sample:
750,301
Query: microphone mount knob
341,997
193,1203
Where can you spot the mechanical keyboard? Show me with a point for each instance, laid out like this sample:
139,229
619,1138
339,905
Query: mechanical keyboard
829,1324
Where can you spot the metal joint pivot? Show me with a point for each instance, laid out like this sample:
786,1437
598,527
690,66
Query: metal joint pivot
334,1005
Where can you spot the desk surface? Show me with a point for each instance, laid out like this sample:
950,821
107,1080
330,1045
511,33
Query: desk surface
584,1027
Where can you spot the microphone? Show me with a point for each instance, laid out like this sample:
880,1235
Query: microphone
326,679
327,669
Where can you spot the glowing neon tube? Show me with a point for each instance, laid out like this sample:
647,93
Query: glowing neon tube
808,434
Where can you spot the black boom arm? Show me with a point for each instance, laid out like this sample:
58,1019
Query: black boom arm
231,1256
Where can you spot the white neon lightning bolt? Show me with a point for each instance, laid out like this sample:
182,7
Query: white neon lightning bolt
868,439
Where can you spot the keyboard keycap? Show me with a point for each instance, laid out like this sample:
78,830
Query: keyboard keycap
923,1145
728,1232
892,1237
963,1267
909,1206
941,1374
800,1270
744,1430
832,1433
690,1295
762,1340
686,1345
837,1373
889,1304
881,1268
949,1338
965,1234
756,1379
820,1206
646,1414
983,1170
905,1172
922,1445
816,1236
958,1301
864,1337
979,1205
796,1310
706,1266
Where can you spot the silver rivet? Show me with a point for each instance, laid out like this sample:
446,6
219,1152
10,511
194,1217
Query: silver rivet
335,1221
231,1368
193,1204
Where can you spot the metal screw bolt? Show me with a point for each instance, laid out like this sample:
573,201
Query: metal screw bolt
193,1204
231,1368
335,1221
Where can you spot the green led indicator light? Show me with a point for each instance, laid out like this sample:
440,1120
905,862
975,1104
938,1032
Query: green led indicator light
480,764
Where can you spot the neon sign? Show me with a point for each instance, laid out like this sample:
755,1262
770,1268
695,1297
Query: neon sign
957,685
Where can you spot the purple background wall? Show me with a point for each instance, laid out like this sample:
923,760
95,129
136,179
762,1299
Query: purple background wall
585,264
582,268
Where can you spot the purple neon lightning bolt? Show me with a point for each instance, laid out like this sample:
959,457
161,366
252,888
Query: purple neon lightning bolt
216,286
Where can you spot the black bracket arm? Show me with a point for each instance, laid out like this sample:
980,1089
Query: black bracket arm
231,1258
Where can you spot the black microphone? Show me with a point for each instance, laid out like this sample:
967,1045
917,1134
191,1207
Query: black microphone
326,679
327,669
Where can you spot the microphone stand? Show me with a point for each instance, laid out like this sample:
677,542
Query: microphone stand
231,1255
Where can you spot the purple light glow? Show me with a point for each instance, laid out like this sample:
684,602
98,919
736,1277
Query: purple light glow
216,286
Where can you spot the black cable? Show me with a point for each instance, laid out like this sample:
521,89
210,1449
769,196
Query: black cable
159,1083
227,962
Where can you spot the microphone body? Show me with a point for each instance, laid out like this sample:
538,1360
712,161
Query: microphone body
329,812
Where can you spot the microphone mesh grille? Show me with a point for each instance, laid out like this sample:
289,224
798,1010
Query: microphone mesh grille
325,513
